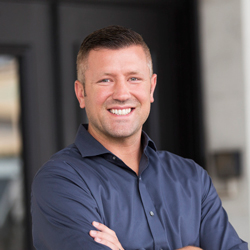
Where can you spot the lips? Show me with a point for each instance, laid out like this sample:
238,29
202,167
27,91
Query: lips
120,111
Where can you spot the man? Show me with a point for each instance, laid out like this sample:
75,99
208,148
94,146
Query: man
112,189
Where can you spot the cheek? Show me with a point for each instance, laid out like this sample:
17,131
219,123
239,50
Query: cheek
143,95
99,96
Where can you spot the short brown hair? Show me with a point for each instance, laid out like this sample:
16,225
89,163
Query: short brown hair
111,37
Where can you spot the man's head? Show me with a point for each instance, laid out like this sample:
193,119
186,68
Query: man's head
115,83
112,37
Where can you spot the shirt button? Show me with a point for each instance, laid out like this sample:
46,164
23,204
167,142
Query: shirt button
114,157
140,178
151,213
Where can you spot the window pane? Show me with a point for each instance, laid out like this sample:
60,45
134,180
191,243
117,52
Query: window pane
11,178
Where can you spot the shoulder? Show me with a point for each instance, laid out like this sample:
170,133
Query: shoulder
185,174
180,170
179,165
61,160
58,170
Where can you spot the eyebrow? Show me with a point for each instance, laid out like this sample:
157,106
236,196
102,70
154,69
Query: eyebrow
133,73
129,73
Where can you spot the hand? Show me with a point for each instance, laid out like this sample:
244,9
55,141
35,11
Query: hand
189,248
105,236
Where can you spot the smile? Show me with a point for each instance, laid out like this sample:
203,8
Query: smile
120,111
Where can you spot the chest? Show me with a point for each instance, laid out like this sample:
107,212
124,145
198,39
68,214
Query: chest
151,211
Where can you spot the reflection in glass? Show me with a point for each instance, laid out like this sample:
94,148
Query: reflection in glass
11,179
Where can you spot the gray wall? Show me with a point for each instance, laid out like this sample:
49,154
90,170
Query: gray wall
224,98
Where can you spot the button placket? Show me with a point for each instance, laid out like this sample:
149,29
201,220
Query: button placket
152,217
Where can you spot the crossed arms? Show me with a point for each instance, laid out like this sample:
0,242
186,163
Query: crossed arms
107,237
64,208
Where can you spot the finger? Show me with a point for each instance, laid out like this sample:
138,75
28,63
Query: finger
189,248
98,235
106,240
107,243
103,228
105,236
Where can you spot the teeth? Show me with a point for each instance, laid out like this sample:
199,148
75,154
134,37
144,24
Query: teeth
120,111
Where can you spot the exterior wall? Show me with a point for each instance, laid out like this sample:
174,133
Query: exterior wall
224,100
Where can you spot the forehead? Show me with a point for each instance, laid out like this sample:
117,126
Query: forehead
103,57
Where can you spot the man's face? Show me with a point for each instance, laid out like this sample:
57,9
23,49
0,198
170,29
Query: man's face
118,92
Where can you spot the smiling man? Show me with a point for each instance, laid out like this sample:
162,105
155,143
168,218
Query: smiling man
116,94
112,189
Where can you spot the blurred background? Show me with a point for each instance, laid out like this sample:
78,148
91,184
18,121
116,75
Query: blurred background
201,53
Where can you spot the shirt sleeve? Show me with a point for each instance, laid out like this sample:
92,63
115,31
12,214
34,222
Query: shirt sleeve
62,209
216,232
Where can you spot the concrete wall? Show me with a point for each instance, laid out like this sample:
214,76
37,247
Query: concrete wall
224,100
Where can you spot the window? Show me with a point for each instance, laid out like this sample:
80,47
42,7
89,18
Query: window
11,175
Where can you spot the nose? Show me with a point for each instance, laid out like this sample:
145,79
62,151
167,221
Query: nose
121,90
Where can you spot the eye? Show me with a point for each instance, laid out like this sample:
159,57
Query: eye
134,79
105,80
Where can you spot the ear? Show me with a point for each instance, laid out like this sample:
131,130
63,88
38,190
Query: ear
152,87
79,91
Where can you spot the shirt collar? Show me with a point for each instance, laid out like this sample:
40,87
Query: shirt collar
89,146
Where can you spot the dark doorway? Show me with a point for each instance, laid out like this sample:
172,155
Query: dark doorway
50,32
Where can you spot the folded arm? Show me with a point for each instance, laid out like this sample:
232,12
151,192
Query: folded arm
62,211
107,237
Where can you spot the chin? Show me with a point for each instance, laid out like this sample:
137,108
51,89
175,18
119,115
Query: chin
123,133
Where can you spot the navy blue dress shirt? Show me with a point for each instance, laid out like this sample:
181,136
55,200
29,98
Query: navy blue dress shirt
170,204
